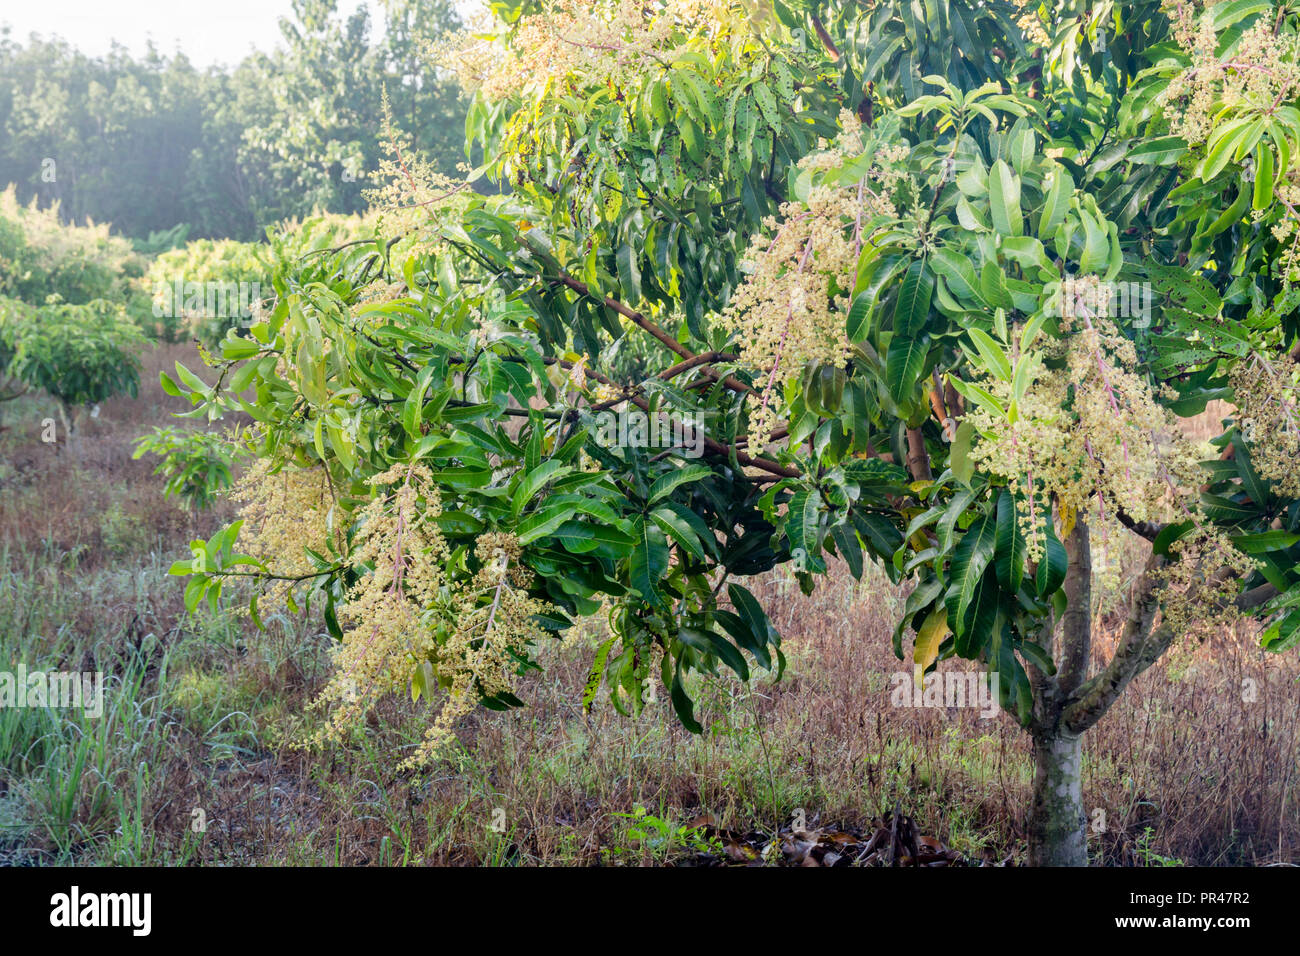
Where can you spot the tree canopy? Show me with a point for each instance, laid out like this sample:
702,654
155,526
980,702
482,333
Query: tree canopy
925,285
151,143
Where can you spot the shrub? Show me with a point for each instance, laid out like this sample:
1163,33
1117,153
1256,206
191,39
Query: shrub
196,464
41,256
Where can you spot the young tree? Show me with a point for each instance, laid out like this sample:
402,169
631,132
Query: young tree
79,354
929,285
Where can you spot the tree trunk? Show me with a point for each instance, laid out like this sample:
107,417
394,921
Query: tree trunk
68,415
1057,834
1056,825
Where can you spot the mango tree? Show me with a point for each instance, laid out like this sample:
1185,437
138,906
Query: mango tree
925,285
80,355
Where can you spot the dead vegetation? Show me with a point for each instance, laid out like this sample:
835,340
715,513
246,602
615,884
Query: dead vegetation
192,761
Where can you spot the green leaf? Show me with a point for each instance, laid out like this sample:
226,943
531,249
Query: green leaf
1056,202
993,286
543,522
995,359
913,306
648,561
1011,545
979,395
1222,146
1226,14
1282,634
666,484
1052,567
904,364
858,324
1255,487
849,548
682,704
1160,151
741,634
1004,199
752,614
1038,657
970,559
629,273
1265,541
674,527
1226,511
534,481
959,460
1263,194
958,271
716,645
1096,244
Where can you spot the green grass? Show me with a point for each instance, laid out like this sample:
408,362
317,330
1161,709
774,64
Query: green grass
202,714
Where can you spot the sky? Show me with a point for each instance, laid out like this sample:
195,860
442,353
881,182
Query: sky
209,32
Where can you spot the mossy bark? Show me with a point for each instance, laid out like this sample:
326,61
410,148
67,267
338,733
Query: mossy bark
1057,825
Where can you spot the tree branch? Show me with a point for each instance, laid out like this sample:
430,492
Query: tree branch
1143,529
646,325
825,37
918,459
1139,647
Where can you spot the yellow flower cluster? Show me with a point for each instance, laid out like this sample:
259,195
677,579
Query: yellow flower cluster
1267,393
407,621
1259,72
1032,23
1028,450
400,552
1089,435
1286,230
603,41
411,191
791,309
487,626
285,513
1138,459
1197,591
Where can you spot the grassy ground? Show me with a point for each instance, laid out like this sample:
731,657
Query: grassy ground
191,762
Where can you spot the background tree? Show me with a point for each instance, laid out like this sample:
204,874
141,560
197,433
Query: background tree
79,354
878,254
150,143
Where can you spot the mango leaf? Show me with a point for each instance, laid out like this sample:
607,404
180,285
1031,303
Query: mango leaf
913,306
667,484
1011,544
648,561
1052,567
1004,199
682,704
592,687
970,559
926,649
904,363
958,271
